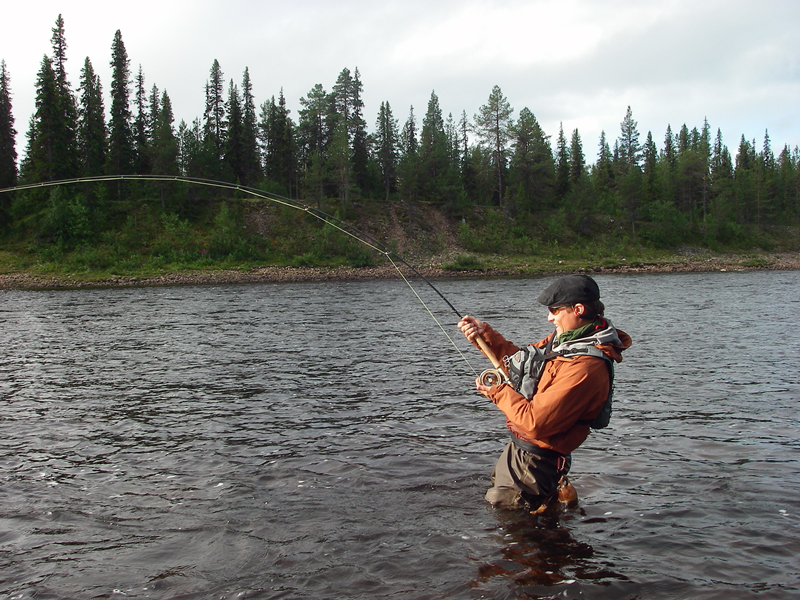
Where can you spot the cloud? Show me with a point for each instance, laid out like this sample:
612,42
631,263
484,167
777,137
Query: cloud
576,62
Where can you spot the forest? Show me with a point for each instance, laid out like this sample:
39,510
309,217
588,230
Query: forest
511,187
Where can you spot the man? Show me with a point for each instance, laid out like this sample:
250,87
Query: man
570,392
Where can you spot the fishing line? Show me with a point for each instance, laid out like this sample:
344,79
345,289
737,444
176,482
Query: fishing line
334,222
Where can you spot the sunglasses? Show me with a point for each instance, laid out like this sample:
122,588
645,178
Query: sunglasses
554,310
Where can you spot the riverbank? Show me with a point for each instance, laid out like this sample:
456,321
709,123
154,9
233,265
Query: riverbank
688,261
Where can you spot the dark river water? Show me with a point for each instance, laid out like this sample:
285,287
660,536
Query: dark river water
325,441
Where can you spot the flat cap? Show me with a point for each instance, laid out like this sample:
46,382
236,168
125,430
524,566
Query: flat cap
571,289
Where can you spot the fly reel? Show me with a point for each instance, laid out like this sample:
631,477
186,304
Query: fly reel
492,377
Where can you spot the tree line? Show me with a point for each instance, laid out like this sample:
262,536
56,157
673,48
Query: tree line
688,183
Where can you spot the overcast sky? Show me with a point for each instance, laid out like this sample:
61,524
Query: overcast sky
580,62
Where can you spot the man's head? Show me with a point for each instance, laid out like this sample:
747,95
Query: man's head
572,302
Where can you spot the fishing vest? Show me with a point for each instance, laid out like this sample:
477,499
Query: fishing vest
526,366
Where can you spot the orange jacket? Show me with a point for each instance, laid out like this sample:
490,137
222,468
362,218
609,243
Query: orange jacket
570,390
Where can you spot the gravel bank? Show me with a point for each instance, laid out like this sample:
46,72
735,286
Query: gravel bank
691,263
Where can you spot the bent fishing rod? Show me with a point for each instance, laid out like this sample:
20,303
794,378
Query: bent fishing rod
331,220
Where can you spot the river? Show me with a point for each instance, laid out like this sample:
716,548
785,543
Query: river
323,440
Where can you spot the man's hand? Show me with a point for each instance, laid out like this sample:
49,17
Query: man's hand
471,327
483,389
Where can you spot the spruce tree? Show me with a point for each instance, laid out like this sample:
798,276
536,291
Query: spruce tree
650,169
234,137
603,172
721,182
164,144
251,162
64,89
576,159
387,140
409,159
278,132
8,135
359,135
121,153
92,137
141,128
532,173
438,176
745,181
214,122
51,153
468,174
52,146
562,165
629,147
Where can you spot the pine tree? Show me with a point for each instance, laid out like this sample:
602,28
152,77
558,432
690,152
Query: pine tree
121,153
492,126
342,104
387,141
313,136
8,135
92,136
340,163
347,104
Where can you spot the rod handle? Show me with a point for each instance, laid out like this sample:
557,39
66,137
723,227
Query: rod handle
487,351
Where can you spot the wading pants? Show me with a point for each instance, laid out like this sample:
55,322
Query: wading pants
526,477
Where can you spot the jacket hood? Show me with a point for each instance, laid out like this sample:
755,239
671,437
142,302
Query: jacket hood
610,340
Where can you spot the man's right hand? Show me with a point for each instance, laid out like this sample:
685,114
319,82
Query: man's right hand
471,327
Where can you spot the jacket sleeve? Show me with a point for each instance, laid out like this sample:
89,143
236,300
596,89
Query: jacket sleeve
497,343
570,390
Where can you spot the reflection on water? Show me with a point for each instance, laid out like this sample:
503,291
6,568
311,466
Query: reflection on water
323,441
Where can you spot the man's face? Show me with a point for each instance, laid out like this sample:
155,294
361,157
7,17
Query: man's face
565,317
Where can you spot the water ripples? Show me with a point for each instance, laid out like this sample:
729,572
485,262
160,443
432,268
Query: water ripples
323,441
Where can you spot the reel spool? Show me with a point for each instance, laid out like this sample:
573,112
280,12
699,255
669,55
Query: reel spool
492,377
